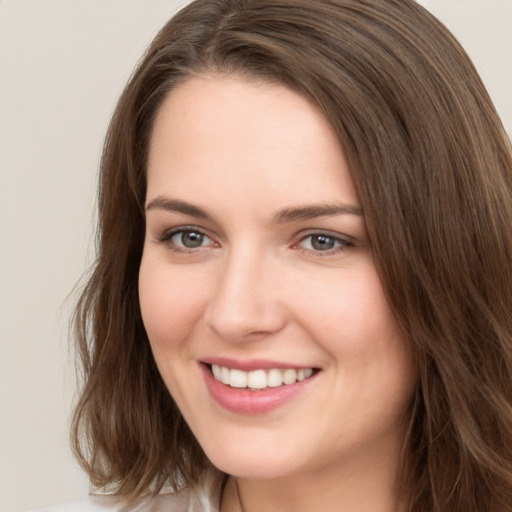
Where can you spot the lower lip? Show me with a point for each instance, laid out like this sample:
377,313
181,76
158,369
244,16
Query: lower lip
245,401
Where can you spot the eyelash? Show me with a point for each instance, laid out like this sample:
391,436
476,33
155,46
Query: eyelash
167,237
341,244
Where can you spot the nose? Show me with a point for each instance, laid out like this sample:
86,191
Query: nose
246,303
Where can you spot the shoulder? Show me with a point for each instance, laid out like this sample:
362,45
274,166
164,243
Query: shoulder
195,500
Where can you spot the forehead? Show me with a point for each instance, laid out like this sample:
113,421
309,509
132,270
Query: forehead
234,137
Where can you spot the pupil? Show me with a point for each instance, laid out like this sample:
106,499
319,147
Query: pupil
322,242
192,239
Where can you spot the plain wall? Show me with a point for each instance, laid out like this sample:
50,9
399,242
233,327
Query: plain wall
62,66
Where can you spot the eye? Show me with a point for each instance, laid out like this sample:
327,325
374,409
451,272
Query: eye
323,242
186,239
189,239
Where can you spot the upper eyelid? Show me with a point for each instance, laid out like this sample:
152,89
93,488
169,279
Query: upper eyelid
326,232
162,228
170,232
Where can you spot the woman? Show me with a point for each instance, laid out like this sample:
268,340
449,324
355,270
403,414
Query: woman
302,298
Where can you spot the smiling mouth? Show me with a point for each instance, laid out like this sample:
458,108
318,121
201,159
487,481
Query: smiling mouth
260,379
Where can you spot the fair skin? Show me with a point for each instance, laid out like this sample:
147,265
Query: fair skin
256,257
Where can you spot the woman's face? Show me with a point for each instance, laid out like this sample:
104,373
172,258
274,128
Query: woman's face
257,268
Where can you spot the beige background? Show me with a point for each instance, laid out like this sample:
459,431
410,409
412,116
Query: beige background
62,66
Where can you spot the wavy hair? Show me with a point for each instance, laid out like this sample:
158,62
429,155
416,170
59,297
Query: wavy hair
433,169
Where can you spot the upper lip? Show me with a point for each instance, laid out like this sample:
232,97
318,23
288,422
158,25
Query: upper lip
248,365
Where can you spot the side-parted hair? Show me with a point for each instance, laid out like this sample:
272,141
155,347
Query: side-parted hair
432,165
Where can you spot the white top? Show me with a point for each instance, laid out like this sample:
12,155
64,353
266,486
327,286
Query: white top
199,499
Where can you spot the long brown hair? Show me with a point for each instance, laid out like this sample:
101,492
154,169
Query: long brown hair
433,169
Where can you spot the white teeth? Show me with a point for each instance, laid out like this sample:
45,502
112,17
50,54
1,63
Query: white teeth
237,379
290,376
259,379
224,375
274,378
217,372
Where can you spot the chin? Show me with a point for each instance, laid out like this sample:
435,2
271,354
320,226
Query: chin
252,463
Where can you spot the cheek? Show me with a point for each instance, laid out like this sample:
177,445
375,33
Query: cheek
171,304
353,309
354,324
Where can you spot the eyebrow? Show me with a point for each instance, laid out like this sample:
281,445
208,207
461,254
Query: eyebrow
174,205
283,216
314,211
